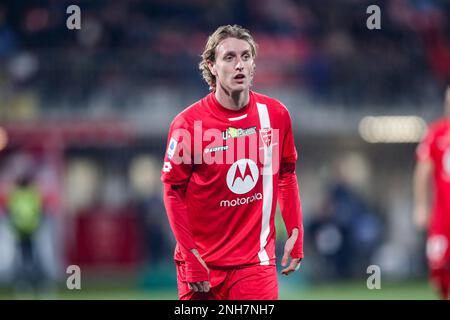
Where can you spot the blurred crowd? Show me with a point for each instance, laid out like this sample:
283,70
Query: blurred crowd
323,49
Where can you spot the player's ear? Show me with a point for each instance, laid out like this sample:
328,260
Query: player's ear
212,67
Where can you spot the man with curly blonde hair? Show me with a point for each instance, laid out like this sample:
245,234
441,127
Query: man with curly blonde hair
209,54
230,157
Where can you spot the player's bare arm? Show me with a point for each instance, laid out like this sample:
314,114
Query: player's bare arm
422,176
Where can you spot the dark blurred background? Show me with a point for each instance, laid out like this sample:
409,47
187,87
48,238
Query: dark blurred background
84,116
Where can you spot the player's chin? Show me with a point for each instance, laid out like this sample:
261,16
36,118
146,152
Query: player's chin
239,87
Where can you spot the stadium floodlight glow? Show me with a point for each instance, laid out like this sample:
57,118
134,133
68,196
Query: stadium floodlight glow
3,139
392,129
143,174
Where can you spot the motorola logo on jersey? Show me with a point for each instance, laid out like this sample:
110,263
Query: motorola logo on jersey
242,176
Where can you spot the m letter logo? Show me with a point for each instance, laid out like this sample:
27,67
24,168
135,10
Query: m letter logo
242,176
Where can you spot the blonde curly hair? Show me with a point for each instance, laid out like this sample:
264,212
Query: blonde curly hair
209,53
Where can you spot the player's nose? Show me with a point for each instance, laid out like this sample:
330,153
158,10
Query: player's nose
239,65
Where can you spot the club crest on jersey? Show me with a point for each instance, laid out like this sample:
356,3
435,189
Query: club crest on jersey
237,132
171,148
266,136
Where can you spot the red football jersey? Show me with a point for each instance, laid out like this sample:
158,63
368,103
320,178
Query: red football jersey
435,147
232,165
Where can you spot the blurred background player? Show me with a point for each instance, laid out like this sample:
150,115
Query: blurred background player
433,160
25,211
222,211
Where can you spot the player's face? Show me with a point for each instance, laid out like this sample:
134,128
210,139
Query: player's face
234,65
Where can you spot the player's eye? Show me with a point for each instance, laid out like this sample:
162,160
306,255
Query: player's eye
246,56
228,58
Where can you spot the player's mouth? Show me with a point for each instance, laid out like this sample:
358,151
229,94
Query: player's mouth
239,78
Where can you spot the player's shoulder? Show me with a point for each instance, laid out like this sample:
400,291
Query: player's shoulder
272,104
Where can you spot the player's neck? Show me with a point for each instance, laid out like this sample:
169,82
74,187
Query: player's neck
232,100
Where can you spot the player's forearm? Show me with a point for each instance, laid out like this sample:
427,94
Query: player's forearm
420,192
290,206
421,181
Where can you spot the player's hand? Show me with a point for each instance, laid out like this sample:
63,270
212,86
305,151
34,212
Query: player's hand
420,217
200,286
294,265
